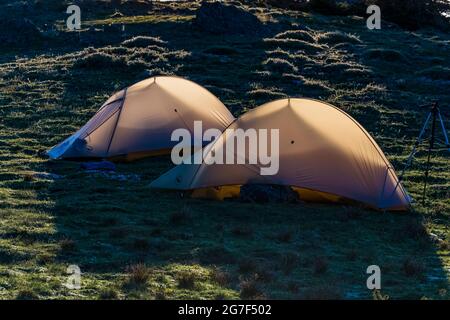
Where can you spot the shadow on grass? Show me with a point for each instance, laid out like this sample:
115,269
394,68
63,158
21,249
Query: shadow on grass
110,223
288,251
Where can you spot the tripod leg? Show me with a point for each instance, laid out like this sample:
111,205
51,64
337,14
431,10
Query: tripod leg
426,179
433,130
413,152
447,144
416,144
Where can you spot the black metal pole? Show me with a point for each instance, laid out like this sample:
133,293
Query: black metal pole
434,110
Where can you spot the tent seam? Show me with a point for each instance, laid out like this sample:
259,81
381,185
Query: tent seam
117,121
101,124
212,146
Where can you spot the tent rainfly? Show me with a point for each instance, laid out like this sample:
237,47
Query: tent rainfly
139,120
324,155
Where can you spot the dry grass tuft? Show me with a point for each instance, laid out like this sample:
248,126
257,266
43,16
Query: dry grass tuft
187,280
138,275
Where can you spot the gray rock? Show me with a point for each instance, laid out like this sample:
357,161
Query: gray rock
219,18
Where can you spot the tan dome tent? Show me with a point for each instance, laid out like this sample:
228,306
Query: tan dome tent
324,154
138,121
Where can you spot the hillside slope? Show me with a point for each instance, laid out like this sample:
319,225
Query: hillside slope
133,242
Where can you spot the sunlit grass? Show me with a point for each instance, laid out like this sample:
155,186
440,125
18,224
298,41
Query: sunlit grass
120,230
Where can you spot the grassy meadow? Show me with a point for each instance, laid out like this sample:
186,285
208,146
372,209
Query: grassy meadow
132,242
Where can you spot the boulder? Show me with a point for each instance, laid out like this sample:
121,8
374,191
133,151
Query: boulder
219,18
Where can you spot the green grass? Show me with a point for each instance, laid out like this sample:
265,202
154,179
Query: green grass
132,242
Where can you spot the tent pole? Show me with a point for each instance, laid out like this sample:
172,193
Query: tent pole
444,131
117,121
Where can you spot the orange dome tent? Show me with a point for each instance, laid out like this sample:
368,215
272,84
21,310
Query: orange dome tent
324,154
139,120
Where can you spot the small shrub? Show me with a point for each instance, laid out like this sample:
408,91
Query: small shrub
29,177
264,275
108,294
320,265
67,245
444,245
186,280
250,289
27,294
160,295
138,275
220,277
